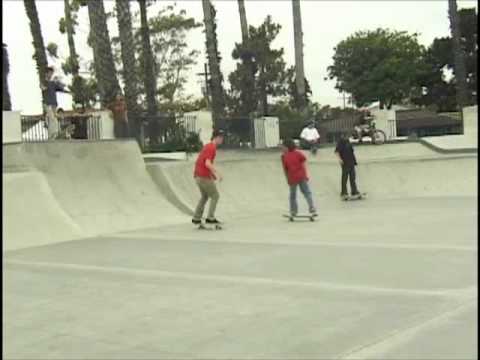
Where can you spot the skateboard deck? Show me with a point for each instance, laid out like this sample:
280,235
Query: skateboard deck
361,196
205,226
305,216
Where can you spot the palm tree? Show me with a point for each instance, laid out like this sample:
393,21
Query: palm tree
102,51
298,40
243,20
218,100
249,88
148,62
73,59
7,105
39,55
124,18
459,56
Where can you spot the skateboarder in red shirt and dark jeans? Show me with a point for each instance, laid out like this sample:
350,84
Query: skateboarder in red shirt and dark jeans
205,175
293,162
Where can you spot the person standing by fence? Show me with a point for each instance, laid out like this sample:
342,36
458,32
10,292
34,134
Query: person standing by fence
50,90
119,109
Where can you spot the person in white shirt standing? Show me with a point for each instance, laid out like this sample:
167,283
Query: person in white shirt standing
310,137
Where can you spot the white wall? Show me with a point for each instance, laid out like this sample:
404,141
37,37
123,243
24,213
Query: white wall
385,120
200,122
267,132
470,121
11,127
106,125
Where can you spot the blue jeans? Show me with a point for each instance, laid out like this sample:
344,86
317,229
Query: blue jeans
305,189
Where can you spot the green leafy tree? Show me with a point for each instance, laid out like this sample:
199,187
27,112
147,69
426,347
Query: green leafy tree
71,65
458,55
469,43
297,101
168,35
169,31
439,93
380,65
6,103
268,68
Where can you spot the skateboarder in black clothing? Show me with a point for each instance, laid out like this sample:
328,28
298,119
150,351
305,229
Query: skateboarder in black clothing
346,157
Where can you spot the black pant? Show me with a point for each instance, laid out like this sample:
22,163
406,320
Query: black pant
313,147
348,172
120,129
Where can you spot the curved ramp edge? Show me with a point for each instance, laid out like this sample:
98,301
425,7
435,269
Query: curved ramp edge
32,215
103,187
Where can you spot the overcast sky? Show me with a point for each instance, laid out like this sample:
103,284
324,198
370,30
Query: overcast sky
325,24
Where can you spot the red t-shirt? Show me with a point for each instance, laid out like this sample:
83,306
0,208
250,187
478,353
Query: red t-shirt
294,165
208,152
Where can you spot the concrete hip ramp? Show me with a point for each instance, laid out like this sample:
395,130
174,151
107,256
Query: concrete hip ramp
59,191
139,281
257,184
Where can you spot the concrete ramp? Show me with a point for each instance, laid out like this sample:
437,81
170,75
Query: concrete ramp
392,277
32,215
82,188
257,185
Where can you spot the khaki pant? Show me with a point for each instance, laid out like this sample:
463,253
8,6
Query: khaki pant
208,190
52,122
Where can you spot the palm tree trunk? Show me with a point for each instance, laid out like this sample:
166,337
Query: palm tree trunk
298,40
76,88
124,18
243,20
150,80
40,55
459,57
218,100
249,96
102,49
7,104
263,92
148,62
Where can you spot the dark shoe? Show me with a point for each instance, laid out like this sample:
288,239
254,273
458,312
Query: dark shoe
212,221
196,221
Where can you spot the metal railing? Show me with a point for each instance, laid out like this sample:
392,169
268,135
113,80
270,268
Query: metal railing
163,132
78,126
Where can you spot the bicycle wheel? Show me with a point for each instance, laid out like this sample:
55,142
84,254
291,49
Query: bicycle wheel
378,137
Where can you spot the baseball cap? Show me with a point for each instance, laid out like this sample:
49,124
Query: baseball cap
217,132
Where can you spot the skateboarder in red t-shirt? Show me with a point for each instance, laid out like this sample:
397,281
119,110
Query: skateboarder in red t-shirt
296,173
205,175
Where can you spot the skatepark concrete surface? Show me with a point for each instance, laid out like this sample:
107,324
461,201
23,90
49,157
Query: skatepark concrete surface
100,260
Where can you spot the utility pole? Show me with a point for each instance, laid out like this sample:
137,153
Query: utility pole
206,74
